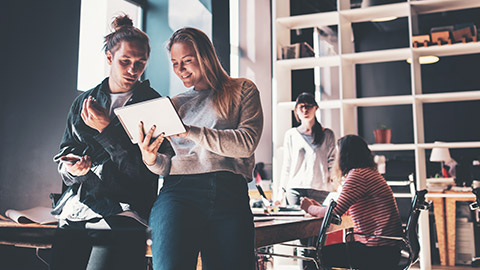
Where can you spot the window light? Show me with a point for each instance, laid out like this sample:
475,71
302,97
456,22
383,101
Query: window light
384,19
429,59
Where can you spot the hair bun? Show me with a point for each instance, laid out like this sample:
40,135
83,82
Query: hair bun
121,21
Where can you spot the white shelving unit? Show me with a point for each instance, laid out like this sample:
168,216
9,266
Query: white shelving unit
347,102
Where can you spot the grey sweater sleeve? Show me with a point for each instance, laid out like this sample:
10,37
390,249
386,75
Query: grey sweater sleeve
241,141
162,164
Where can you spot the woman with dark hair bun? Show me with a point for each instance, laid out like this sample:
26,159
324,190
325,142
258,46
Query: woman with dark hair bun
372,207
110,189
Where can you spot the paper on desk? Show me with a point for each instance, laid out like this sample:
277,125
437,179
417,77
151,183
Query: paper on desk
39,214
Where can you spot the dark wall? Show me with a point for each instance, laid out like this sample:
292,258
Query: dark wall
221,31
41,49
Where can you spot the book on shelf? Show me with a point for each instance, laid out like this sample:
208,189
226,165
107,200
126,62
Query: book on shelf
39,215
297,50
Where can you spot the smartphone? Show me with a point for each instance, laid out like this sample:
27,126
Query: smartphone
70,159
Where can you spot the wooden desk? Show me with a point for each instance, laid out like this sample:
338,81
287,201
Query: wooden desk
283,229
26,235
444,205
279,230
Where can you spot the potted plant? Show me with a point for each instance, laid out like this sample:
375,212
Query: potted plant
382,134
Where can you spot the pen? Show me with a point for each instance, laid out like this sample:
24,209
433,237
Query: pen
285,194
264,197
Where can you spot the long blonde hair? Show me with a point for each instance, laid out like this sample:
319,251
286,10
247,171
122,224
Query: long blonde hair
226,88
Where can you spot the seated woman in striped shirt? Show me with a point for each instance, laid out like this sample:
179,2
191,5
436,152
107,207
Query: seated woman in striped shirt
372,207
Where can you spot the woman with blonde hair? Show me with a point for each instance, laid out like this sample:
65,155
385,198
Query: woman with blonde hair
203,205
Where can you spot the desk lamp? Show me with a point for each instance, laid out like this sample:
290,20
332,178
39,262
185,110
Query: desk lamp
440,154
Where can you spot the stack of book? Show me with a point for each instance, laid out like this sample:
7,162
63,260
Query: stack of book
439,184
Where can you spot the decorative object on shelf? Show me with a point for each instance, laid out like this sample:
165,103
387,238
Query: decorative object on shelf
420,39
465,32
381,162
297,50
382,134
441,37
441,154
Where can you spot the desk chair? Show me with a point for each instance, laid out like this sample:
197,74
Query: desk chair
408,243
475,207
329,218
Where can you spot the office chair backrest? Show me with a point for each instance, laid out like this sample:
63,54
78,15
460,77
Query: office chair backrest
477,193
418,204
327,220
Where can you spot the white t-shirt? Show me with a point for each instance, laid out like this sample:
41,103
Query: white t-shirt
306,165
118,100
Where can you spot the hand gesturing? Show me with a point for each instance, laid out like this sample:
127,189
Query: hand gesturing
94,115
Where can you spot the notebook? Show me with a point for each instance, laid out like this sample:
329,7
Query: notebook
160,112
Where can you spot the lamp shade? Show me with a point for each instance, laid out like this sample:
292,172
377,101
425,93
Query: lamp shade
440,154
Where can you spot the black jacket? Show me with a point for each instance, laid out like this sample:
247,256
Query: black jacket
118,174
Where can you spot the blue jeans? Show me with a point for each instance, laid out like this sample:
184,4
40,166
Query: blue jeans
209,213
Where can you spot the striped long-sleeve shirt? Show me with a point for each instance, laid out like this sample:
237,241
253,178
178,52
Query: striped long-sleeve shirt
372,206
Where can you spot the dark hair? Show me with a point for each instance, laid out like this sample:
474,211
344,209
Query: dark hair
353,152
226,95
317,130
124,31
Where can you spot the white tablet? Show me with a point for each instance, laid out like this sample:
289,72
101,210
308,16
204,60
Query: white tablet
159,112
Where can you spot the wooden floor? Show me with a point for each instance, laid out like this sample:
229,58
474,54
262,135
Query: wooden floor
438,267
415,267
